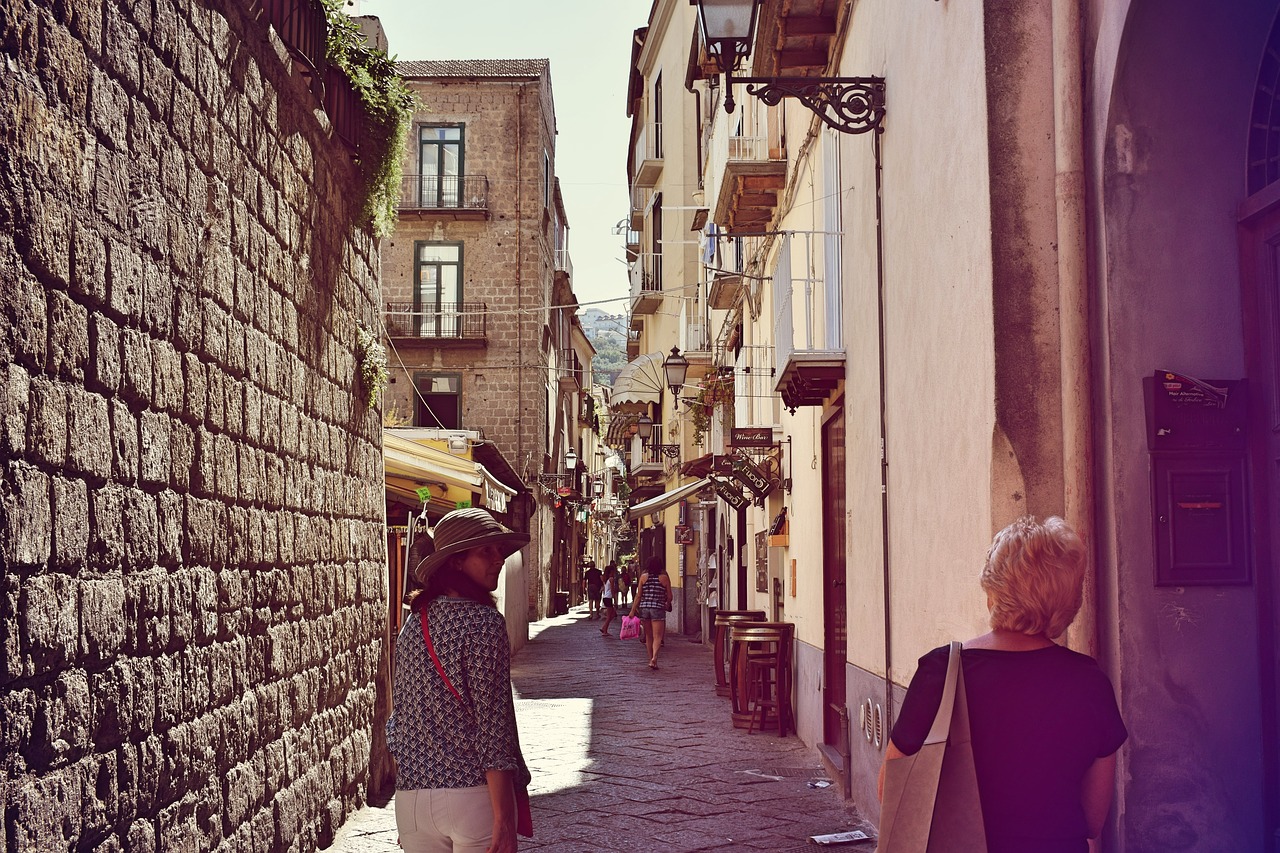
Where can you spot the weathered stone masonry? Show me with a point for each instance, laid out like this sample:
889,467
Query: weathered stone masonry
191,539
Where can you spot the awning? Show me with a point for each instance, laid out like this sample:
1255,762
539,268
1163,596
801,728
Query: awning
417,461
699,467
410,466
666,499
639,383
496,492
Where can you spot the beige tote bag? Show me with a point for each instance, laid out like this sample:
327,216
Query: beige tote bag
931,800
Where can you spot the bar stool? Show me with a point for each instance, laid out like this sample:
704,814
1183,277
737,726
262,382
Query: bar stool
769,681
725,618
748,640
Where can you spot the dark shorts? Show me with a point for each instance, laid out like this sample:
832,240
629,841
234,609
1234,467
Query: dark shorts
593,593
606,602
653,614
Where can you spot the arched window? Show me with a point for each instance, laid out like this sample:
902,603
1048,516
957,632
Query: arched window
1264,124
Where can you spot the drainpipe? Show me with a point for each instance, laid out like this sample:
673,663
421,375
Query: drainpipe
1073,298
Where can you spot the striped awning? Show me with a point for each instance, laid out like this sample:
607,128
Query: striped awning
666,499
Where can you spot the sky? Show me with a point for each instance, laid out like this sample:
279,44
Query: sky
589,45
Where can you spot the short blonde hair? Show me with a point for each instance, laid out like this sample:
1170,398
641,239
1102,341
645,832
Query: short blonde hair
1035,576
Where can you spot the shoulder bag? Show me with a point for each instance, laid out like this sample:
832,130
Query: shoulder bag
524,811
931,802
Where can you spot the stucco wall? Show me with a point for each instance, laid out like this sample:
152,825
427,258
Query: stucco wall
938,325
1167,192
191,537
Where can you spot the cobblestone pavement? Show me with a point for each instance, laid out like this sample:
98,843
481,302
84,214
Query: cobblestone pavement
626,758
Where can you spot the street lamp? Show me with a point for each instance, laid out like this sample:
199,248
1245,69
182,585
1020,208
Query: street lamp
848,104
676,367
570,460
644,427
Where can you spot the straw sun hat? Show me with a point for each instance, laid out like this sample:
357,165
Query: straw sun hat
464,529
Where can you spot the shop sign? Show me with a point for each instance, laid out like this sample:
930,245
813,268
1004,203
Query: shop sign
751,476
756,436
684,534
730,492
722,465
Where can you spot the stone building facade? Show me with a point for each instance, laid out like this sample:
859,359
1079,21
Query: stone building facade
192,593
469,277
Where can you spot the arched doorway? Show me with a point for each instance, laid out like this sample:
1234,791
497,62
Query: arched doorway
1193,664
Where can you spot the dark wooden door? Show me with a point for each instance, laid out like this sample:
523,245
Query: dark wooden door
1260,276
835,632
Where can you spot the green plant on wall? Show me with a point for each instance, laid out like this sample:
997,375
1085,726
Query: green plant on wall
388,105
373,365
715,391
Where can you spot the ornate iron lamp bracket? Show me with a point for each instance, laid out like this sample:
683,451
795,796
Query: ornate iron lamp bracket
847,104
671,451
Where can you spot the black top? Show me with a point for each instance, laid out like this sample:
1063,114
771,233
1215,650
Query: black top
593,577
1039,719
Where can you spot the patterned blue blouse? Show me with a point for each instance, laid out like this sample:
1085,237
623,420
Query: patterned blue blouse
439,742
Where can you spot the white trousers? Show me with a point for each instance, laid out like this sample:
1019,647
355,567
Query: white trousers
445,820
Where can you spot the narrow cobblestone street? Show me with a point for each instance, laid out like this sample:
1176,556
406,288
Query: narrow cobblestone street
624,758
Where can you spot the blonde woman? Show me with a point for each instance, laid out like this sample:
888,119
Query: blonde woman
1044,719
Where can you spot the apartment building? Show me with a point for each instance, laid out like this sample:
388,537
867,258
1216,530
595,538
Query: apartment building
666,304
992,299
478,311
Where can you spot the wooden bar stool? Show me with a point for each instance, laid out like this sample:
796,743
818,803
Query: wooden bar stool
769,679
720,653
748,641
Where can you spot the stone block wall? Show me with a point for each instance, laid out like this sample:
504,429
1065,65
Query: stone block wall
192,557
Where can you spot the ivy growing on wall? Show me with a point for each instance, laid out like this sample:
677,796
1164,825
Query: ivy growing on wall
388,105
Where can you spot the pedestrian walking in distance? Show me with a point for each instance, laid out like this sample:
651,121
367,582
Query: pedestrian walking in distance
624,584
652,604
593,580
1043,719
608,591
453,730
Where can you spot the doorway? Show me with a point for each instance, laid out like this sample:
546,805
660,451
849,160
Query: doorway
835,714
1260,275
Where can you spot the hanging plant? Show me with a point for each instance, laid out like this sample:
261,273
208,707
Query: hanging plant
373,366
388,106
716,390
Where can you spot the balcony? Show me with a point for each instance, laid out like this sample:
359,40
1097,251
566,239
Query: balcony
753,176
725,291
445,196
810,339
646,283
636,217
569,370
452,322
563,266
648,155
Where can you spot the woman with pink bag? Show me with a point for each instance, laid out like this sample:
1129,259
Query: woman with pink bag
652,605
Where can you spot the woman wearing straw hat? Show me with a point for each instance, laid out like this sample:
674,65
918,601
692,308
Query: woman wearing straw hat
453,730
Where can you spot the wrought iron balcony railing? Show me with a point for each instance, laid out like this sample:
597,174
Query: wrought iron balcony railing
445,192
452,320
